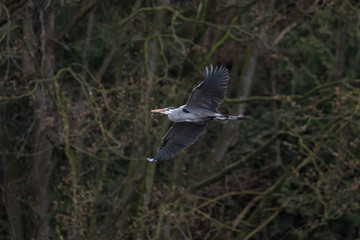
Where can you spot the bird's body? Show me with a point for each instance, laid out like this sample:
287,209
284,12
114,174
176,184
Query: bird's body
192,118
200,115
178,115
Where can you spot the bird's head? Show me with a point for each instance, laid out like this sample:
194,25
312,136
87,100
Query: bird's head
163,110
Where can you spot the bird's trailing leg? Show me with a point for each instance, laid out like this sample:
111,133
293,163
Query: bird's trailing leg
239,117
225,118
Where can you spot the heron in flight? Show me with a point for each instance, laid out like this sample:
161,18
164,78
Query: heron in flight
192,118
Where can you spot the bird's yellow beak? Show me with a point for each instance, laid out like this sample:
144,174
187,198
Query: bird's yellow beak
159,110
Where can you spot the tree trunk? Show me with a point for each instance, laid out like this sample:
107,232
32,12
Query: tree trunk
152,58
11,167
337,75
43,163
28,66
11,163
86,50
275,109
228,135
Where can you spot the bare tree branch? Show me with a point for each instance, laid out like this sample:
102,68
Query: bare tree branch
12,9
80,15
214,178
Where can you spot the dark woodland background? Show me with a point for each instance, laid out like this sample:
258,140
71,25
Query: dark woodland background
78,80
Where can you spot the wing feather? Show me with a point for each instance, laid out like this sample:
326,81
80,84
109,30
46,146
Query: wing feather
210,93
180,136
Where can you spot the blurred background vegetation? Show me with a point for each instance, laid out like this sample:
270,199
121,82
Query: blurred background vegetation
78,80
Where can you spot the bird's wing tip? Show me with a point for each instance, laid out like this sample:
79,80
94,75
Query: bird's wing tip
151,159
210,69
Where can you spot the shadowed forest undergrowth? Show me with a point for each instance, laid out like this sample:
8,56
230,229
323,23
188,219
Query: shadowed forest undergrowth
78,81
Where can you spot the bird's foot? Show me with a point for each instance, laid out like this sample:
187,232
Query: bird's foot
243,117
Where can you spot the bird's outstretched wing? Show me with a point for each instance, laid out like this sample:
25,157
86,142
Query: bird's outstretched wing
180,136
210,92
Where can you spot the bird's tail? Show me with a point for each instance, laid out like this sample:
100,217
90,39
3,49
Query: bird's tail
224,118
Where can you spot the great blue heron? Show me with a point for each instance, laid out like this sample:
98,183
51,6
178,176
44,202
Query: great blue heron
192,118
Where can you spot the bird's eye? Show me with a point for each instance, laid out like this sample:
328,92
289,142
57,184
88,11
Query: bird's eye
171,108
